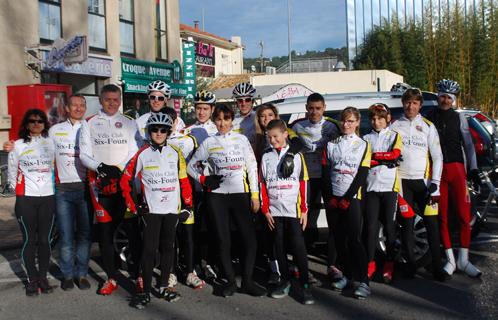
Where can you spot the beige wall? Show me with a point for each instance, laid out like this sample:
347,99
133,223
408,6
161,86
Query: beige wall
113,44
173,30
73,21
19,28
233,62
334,82
144,23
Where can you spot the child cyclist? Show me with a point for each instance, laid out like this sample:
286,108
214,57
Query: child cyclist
186,144
161,170
346,161
382,187
284,205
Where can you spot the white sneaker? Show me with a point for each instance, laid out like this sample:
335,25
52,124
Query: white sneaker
450,265
463,264
172,281
194,281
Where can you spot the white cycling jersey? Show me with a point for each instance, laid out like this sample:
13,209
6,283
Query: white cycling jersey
246,126
31,167
69,167
183,142
162,175
283,197
381,178
315,136
229,155
112,140
201,130
420,148
344,156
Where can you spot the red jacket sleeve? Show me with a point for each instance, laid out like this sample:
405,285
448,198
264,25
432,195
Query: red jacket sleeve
127,179
186,192
302,193
265,203
387,156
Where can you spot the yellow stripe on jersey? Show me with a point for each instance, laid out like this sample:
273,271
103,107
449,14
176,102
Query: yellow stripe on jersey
398,143
244,179
396,187
194,139
304,168
298,205
182,164
427,166
292,134
367,157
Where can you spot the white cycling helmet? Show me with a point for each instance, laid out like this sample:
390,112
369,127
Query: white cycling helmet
244,89
206,97
159,119
160,86
448,86
400,87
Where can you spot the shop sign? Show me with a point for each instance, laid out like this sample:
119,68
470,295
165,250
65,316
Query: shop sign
96,66
205,71
140,86
145,70
189,68
204,53
74,50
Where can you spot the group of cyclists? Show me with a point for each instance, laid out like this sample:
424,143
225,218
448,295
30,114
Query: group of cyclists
235,187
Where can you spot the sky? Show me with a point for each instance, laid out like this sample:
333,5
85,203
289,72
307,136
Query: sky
315,24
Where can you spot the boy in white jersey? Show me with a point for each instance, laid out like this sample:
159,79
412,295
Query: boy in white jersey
284,206
161,170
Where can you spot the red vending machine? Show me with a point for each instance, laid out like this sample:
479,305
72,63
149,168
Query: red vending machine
48,97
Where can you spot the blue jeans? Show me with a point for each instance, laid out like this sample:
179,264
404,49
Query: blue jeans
72,211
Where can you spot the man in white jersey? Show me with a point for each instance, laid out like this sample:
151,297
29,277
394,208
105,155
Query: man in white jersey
159,94
244,123
315,131
108,140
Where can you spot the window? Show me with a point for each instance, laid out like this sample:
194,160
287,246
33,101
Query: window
50,19
126,27
160,30
96,24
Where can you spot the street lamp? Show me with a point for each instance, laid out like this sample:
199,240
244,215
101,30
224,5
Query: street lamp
289,34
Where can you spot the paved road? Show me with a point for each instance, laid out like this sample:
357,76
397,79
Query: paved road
421,298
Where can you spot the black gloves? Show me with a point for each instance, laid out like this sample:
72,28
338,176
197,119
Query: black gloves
213,182
432,188
287,165
109,172
184,215
474,177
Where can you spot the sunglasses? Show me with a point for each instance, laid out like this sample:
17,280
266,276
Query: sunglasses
157,98
33,121
157,129
244,99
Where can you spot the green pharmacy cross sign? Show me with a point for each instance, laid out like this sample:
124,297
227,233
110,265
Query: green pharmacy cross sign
189,68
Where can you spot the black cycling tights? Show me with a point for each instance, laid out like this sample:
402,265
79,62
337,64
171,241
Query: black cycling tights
36,219
345,246
381,206
159,233
289,230
116,207
415,193
235,207
186,245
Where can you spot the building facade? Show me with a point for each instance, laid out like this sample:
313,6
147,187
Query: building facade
129,42
215,55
